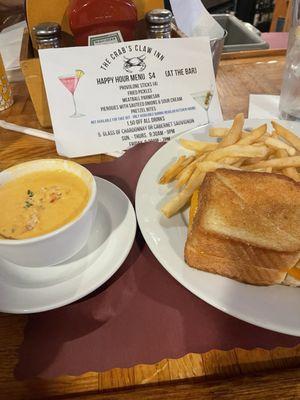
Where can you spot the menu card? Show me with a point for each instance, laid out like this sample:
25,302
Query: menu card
108,98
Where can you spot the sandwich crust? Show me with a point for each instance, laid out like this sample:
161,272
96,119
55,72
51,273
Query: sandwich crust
259,209
236,260
229,204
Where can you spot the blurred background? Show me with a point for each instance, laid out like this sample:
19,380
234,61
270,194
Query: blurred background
265,15
249,25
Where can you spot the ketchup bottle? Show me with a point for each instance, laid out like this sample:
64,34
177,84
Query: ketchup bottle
93,17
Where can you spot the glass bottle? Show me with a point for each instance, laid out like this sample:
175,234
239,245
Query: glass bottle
294,21
94,17
289,105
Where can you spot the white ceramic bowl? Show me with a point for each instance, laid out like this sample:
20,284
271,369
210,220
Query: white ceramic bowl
60,244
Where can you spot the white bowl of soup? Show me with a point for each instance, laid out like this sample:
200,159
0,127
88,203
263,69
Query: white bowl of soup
47,212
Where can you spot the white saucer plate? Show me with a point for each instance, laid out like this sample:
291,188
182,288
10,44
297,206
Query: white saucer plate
28,290
273,307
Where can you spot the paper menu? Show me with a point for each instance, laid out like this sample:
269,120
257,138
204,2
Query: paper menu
108,98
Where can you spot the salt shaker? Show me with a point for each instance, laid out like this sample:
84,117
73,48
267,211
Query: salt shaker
159,23
289,105
47,35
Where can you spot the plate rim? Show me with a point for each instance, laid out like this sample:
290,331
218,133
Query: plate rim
273,326
83,293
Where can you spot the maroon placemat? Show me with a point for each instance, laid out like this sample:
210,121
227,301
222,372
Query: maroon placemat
140,316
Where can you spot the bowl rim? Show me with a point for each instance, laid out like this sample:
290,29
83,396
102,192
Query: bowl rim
92,197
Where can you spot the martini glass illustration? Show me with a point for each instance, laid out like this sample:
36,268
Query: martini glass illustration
71,82
204,99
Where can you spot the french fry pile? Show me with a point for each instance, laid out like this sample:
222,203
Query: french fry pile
258,150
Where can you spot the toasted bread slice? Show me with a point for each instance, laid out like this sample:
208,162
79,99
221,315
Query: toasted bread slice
237,260
256,208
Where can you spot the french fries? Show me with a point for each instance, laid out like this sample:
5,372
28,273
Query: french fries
207,166
184,176
234,132
236,163
237,151
175,169
291,172
279,144
277,163
254,135
218,132
288,135
257,150
199,147
182,198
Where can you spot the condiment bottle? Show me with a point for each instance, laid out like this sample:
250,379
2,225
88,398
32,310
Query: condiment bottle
47,35
159,23
94,17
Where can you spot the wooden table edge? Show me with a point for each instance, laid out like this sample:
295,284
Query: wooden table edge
273,384
249,54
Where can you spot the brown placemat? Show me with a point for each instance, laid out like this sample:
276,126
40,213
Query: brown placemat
140,316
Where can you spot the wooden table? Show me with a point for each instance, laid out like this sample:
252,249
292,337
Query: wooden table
236,374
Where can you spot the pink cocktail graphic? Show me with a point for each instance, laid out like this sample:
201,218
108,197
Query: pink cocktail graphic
71,82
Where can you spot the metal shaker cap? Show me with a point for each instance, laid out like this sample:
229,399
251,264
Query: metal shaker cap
159,22
159,16
47,29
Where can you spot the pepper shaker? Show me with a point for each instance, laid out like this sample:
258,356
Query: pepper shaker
159,23
47,35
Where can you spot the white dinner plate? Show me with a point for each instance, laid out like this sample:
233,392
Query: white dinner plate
273,307
29,290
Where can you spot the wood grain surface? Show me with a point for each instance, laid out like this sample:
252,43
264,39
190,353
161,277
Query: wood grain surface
276,385
236,374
